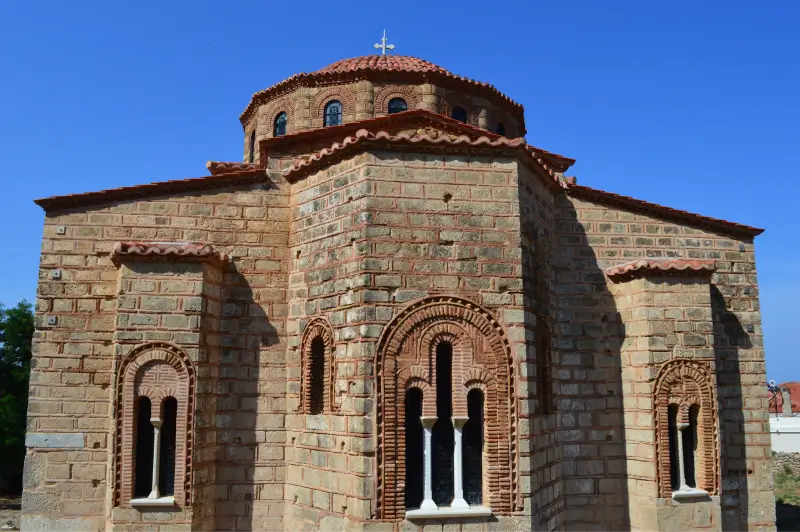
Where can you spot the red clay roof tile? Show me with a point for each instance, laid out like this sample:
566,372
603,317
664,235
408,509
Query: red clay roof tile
675,266
123,251
660,211
357,67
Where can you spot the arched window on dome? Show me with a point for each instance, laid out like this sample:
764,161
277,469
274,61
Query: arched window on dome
279,127
501,129
397,105
252,156
459,114
333,113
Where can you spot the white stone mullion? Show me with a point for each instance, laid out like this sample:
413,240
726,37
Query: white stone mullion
156,422
427,474
681,464
458,465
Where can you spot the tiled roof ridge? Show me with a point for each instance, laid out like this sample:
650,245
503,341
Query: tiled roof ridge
165,251
680,266
633,204
150,189
224,167
379,121
302,166
324,74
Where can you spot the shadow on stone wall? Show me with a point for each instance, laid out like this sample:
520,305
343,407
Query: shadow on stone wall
246,389
587,383
729,338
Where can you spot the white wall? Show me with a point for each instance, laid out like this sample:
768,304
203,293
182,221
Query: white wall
785,433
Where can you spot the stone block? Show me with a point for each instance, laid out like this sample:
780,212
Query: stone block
54,440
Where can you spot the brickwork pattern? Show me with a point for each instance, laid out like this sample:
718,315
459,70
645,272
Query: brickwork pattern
319,328
410,95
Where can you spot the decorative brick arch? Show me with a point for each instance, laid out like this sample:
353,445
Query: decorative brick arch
156,370
686,383
479,343
344,95
284,105
385,95
446,109
319,328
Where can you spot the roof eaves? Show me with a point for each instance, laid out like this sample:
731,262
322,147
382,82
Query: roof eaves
660,211
71,201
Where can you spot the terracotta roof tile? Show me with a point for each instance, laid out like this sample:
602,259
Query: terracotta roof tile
660,211
357,67
194,251
176,186
776,401
674,266
218,167
303,166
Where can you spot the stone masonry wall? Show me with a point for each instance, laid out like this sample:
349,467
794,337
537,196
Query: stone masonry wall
594,236
72,376
783,462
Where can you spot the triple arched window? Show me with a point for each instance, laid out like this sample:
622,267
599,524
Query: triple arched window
397,105
279,127
333,113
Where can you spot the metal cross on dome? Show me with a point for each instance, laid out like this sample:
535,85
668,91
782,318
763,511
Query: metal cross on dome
383,46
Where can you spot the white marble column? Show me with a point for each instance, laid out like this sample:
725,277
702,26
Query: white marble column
458,465
156,422
427,474
681,473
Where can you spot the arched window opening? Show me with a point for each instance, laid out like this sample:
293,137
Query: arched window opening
317,384
473,449
166,463
459,114
501,129
544,382
674,462
279,127
397,105
443,438
143,457
333,113
689,437
252,156
414,449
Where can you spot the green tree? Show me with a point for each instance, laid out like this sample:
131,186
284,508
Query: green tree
16,335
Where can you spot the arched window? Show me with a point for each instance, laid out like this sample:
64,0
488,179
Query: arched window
279,128
501,129
473,449
333,113
397,105
443,439
317,384
252,156
414,448
459,114
687,450
144,449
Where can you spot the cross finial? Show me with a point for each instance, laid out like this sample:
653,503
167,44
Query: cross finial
383,46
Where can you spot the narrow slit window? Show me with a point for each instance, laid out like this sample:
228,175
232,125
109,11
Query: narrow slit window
317,376
397,105
279,128
674,459
689,436
166,463
333,113
144,449
443,437
414,449
252,156
459,114
473,449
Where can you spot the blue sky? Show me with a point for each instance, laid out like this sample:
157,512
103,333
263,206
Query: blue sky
690,104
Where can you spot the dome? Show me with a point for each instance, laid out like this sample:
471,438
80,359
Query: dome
391,63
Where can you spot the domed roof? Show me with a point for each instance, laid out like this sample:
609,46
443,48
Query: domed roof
392,63
361,67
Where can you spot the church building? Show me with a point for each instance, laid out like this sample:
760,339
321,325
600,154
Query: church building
394,314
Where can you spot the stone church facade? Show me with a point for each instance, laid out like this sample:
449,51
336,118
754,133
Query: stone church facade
395,314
